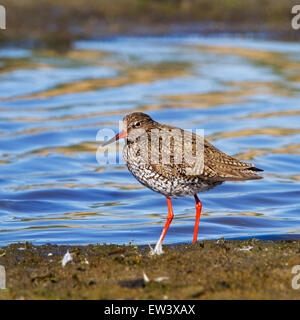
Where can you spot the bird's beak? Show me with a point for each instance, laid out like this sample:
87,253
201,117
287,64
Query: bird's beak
121,135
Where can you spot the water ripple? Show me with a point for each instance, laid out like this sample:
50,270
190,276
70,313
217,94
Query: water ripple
244,93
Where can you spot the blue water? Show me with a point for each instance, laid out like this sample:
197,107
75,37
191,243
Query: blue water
244,93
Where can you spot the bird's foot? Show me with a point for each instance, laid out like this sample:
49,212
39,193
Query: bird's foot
157,249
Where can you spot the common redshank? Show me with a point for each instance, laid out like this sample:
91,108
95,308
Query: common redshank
159,155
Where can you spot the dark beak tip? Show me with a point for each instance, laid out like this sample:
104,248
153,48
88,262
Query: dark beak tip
120,135
106,143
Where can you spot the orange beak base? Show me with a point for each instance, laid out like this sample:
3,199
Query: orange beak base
121,135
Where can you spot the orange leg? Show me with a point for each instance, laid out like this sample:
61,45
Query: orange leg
198,212
169,219
158,247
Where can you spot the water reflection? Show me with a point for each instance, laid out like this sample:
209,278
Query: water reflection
244,93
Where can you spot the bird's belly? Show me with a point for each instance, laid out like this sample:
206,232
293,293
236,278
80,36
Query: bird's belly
181,187
151,179
172,188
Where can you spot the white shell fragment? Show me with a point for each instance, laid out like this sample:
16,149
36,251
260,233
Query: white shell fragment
146,279
67,258
245,248
160,279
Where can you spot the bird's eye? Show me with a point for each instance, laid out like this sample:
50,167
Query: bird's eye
137,124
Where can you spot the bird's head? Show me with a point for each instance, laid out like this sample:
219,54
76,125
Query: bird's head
135,120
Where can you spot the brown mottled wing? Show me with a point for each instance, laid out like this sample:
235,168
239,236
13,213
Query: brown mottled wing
168,148
218,166
221,167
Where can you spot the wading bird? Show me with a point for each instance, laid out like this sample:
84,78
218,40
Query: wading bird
176,163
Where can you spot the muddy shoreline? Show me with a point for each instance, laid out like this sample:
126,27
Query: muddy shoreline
212,269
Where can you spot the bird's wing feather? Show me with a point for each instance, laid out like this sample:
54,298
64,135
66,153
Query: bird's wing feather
217,165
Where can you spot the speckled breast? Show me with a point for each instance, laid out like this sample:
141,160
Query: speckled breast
171,187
